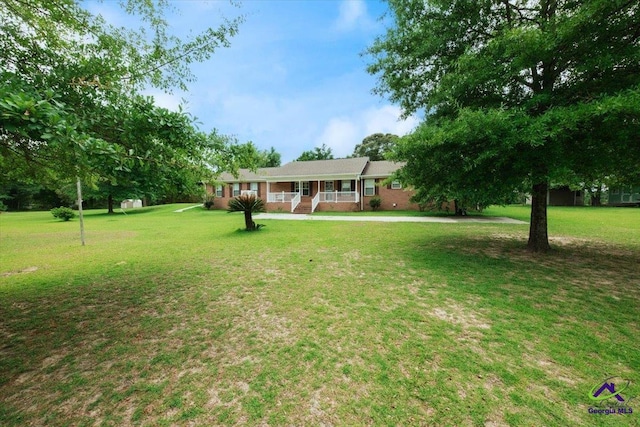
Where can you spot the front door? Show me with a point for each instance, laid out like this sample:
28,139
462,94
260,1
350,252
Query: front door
328,188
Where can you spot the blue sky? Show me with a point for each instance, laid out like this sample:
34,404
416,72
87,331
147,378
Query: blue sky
294,77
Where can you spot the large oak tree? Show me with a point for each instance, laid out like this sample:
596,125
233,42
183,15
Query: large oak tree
70,87
516,94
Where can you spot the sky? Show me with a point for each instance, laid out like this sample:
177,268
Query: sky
294,77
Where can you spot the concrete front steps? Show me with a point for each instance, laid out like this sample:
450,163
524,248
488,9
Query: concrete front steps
303,208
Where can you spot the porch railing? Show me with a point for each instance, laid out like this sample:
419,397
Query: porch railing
280,197
295,201
314,202
339,196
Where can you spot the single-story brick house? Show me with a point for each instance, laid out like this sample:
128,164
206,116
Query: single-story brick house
318,185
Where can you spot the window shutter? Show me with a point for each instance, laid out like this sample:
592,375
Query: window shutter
353,185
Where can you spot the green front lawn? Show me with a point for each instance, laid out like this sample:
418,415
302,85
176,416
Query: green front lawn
180,319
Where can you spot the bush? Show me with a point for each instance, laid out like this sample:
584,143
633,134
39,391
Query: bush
208,203
375,203
63,213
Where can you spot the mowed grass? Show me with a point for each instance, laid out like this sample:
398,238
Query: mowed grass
180,319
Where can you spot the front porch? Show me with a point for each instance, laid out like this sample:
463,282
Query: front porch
309,196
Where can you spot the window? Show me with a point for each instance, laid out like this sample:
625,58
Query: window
369,187
253,189
236,189
346,186
395,185
305,187
219,191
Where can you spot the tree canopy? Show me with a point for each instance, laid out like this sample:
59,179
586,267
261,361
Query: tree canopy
248,156
517,94
70,102
376,146
318,153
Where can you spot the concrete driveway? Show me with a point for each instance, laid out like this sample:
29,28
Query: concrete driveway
443,219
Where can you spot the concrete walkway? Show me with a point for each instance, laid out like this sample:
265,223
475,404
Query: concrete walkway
190,207
443,219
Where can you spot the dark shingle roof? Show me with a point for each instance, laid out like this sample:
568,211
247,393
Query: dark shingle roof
318,168
246,175
381,168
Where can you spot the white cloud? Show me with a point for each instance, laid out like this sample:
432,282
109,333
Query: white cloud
166,100
339,135
387,120
352,13
343,133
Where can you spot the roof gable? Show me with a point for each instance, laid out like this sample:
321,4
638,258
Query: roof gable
381,168
316,168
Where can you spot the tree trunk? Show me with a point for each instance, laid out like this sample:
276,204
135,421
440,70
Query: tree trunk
248,221
460,209
538,237
110,204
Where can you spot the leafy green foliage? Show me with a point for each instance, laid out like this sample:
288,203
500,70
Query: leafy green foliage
517,95
70,104
375,202
63,213
318,153
249,204
376,146
248,156
208,203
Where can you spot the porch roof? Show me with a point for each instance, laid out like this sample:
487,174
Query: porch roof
319,169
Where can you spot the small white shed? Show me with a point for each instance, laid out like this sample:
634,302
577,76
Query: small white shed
131,203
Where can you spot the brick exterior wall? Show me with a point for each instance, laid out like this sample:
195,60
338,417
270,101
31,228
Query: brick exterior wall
388,196
227,193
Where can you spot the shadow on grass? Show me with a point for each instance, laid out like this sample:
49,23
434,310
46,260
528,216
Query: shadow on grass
577,278
126,212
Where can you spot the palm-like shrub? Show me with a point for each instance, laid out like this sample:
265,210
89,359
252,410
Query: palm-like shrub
247,203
